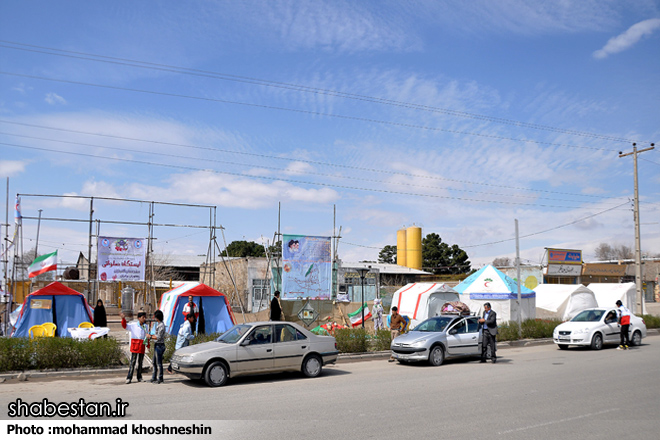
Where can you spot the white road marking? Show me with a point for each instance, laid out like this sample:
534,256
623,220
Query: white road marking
524,428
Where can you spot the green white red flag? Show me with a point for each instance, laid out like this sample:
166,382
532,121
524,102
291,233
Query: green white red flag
356,316
43,264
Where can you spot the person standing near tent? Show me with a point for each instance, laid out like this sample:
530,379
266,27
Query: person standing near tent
190,307
159,348
623,315
489,331
185,335
138,331
397,323
377,314
100,317
276,307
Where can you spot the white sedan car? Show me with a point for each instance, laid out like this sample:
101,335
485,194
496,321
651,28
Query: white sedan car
255,348
595,327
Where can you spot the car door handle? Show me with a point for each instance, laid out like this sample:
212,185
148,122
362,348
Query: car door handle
304,346
269,350
474,337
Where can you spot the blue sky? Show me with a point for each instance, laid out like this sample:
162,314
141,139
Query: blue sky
456,116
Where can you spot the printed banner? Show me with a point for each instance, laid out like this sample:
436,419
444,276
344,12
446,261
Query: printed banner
564,256
306,267
121,259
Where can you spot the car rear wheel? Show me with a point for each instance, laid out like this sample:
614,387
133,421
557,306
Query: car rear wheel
597,342
216,374
437,356
312,366
637,338
562,346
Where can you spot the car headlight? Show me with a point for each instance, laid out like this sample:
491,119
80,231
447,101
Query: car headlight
582,330
186,359
418,343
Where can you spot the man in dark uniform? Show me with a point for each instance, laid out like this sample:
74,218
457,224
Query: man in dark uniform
276,307
489,329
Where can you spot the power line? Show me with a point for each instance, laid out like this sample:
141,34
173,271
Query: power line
300,88
313,162
142,162
309,112
512,239
133,150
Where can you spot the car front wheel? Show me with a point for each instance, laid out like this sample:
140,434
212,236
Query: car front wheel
312,366
216,374
637,338
597,342
437,356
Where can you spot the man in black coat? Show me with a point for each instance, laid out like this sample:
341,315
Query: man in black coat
276,307
489,329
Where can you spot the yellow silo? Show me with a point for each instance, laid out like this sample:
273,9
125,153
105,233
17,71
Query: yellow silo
414,246
401,248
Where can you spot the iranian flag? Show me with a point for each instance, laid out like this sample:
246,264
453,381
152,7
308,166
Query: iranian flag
43,264
356,317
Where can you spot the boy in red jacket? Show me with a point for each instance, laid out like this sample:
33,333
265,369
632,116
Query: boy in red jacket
138,331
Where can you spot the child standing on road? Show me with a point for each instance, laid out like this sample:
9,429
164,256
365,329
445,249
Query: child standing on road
138,331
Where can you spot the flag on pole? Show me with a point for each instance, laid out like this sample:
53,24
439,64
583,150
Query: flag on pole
43,264
356,316
17,211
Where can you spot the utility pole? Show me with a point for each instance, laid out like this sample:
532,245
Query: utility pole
518,281
638,243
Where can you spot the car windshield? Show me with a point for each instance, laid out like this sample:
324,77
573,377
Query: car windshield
588,316
235,333
437,324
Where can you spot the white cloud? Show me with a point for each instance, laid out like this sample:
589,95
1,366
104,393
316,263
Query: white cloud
54,98
629,38
10,168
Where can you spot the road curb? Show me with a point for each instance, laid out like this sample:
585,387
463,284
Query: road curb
343,358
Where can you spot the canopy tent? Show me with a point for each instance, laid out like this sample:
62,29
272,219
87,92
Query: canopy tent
420,301
607,294
54,303
215,314
563,301
490,285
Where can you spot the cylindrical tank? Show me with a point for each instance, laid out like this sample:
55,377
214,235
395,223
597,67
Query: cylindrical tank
401,248
414,246
127,297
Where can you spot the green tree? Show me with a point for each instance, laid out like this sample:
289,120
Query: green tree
387,255
442,259
244,248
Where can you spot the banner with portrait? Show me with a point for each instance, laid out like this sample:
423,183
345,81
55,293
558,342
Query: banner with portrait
121,259
306,267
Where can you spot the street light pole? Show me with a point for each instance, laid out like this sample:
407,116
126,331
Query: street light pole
638,241
363,272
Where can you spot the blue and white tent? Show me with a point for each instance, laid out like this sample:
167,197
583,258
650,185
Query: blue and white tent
490,285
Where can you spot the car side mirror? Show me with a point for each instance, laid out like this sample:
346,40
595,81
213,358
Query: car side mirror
453,331
246,341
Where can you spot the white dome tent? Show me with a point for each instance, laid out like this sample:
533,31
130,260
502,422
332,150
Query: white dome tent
563,301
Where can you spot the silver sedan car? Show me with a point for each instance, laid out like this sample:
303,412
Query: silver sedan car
595,327
439,338
254,348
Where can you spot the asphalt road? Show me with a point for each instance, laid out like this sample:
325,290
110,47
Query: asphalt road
531,393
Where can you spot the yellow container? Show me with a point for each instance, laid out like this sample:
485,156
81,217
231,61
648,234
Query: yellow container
401,248
414,247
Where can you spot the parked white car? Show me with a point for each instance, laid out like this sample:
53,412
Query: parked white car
595,327
255,348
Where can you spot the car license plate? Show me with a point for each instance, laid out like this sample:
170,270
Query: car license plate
175,365
564,338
